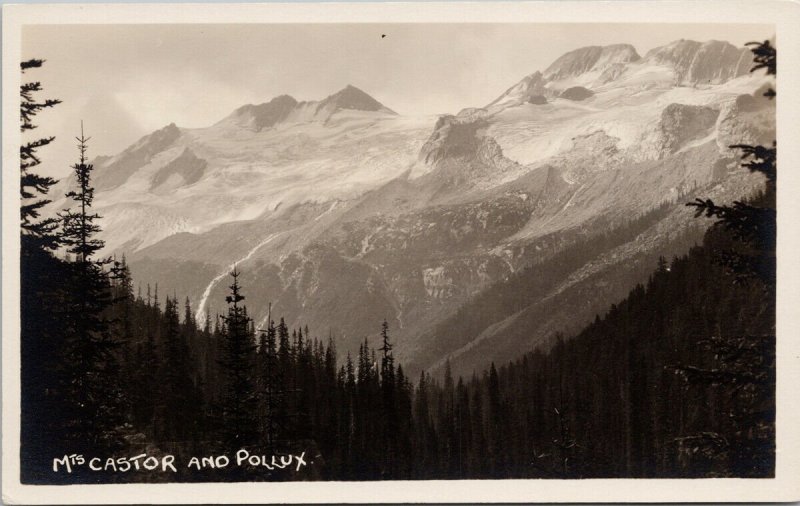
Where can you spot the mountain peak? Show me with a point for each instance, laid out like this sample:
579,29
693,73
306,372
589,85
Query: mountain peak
352,98
589,58
603,61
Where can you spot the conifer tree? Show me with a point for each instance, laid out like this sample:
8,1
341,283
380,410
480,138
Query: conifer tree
122,299
422,425
95,403
405,425
36,232
42,296
284,372
387,360
80,227
447,422
270,388
124,326
179,400
388,406
188,316
239,397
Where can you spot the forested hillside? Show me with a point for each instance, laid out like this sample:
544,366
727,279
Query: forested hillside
656,387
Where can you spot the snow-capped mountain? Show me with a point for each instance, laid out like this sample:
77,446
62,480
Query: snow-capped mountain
595,68
342,212
247,165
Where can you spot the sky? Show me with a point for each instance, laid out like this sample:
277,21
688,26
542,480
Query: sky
124,81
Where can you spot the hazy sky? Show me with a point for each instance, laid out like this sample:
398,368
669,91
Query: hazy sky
125,81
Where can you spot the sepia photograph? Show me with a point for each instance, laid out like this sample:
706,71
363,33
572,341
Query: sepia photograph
374,251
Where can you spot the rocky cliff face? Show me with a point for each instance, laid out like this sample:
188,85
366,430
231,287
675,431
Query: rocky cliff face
184,170
679,125
115,171
264,115
453,137
712,62
530,86
576,93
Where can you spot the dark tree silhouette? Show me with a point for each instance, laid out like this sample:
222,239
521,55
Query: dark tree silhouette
80,227
90,372
269,385
42,296
36,232
238,403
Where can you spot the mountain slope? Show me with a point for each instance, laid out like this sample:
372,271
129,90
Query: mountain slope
342,213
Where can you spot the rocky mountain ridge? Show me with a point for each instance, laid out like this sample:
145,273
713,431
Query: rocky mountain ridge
680,63
285,108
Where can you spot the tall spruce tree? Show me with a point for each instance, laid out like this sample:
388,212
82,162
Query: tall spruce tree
270,387
95,403
42,298
238,424
285,372
80,227
387,359
389,425
36,232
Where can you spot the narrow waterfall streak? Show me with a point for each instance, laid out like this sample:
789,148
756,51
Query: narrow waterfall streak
199,315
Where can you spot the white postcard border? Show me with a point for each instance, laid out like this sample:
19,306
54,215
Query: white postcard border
785,15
